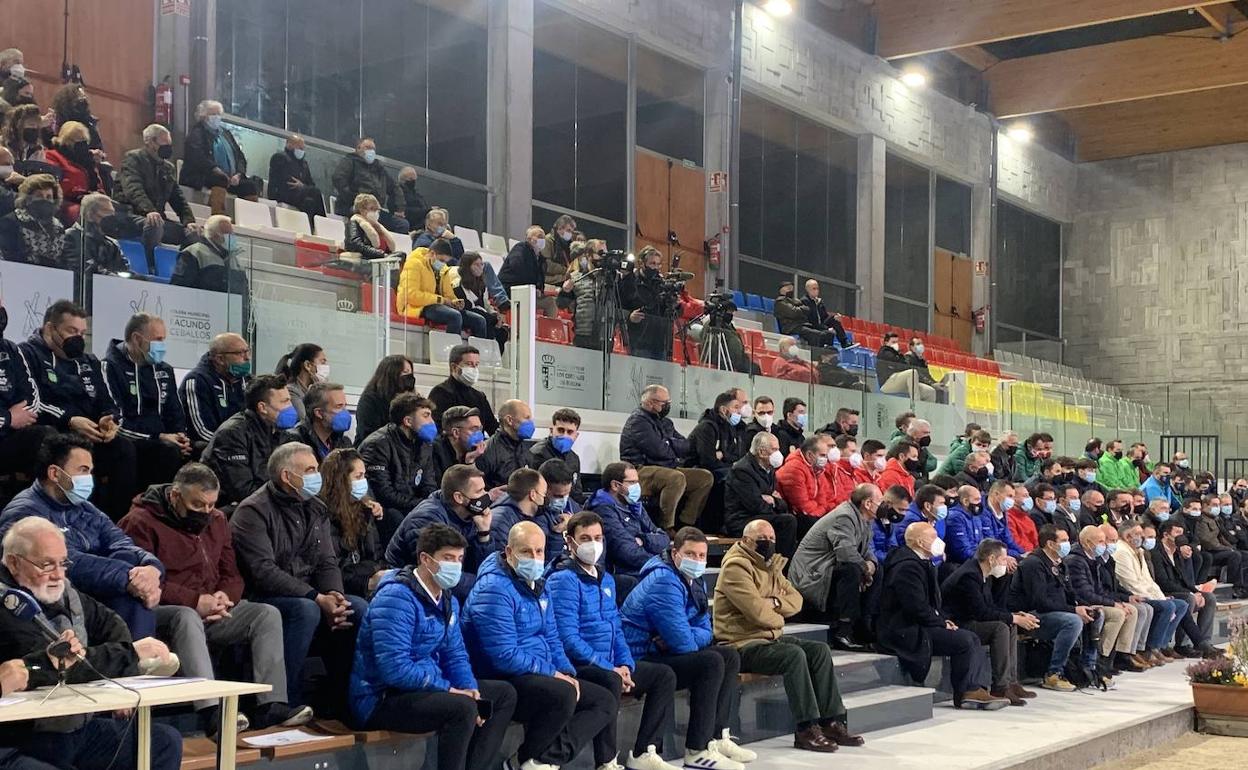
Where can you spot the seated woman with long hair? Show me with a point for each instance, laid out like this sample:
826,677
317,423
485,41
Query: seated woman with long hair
353,515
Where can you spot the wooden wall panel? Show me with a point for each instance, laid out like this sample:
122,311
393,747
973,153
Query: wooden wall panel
942,280
688,212
652,196
110,40
961,290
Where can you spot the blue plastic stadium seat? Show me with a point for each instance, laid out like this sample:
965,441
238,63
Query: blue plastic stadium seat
754,302
738,299
166,260
136,256
769,304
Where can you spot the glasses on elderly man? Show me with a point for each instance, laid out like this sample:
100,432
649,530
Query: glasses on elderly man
48,567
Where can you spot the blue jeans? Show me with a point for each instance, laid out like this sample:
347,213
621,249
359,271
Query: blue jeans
454,320
1167,614
139,619
1062,629
91,747
494,288
303,624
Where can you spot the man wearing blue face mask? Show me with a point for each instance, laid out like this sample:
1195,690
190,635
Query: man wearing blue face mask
239,451
462,441
1158,486
212,159
361,172
284,544
508,449
512,634
1115,619
632,538
666,620
565,426
105,562
528,498
461,503
929,505
290,178
1000,501
1220,550
398,459
143,386
715,443
326,421
1040,588
423,681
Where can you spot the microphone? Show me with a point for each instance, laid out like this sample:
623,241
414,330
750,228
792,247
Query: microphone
679,275
23,606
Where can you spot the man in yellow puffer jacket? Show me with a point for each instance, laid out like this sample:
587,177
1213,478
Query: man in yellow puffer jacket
427,290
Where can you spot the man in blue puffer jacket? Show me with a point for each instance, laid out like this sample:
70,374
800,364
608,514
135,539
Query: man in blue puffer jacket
511,633
667,620
528,499
107,564
462,504
411,671
965,526
584,597
632,539
929,506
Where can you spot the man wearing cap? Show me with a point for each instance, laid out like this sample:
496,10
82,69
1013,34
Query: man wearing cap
794,319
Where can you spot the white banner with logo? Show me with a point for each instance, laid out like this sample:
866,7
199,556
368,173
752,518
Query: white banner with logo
192,316
568,376
26,291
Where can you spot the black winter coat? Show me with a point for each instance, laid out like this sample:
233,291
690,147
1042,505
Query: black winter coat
146,183
199,167
543,451
359,563
303,434
790,438
1170,575
1039,586
94,251
284,545
523,267
353,176
714,444
743,494
451,392
968,597
889,362
283,168
1005,464
910,605
648,439
398,470
239,454
16,385
503,455
791,315
1085,578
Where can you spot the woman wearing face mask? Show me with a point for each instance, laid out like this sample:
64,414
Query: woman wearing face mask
71,153
365,236
472,291
427,292
353,514
212,159
70,103
32,233
557,251
301,367
393,375
22,133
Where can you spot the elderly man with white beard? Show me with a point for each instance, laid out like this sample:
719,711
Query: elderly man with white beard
99,645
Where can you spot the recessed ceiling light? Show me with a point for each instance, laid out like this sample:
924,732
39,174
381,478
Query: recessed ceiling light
778,7
914,78
1020,133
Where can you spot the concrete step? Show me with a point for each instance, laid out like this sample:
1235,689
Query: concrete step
867,710
815,632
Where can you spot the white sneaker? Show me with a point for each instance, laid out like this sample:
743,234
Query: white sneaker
533,764
648,761
612,765
710,759
732,750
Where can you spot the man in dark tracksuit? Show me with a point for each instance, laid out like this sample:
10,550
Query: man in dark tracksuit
144,388
210,392
73,396
508,449
239,451
20,435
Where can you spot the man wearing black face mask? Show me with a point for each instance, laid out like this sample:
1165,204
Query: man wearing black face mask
20,436
73,397
650,311
145,186
89,246
844,423
201,604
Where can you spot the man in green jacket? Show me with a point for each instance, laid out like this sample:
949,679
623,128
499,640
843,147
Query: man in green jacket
1036,449
1115,471
979,441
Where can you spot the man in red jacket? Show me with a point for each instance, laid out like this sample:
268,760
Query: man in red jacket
902,466
201,607
804,482
849,470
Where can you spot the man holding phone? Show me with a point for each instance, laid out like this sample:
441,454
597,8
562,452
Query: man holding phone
412,672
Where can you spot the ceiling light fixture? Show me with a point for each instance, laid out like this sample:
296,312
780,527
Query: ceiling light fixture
1020,132
914,78
778,7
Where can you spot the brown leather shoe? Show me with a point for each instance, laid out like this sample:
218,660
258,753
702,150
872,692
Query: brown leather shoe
1018,691
979,699
1004,692
840,735
1156,658
812,739
1171,653
1141,661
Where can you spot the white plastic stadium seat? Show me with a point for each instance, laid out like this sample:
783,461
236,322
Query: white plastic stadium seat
402,242
253,215
495,244
471,239
293,220
333,229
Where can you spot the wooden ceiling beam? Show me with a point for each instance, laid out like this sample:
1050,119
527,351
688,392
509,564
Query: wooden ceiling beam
1166,124
976,56
1125,71
1224,17
912,27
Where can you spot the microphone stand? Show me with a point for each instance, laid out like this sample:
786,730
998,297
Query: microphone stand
62,647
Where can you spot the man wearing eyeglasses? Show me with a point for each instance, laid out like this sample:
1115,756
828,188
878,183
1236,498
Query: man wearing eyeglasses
37,561
213,391
651,442
105,562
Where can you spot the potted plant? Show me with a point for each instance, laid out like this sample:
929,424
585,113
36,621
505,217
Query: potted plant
1220,685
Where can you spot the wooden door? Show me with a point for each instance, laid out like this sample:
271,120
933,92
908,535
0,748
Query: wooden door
671,199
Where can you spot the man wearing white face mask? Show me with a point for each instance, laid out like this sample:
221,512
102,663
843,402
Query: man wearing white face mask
361,172
212,159
583,595
763,416
290,178
524,265
750,494
106,562
284,544
805,483
914,627
970,600
458,390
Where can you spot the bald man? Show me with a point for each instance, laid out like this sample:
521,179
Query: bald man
753,599
290,179
508,449
213,391
914,627
511,632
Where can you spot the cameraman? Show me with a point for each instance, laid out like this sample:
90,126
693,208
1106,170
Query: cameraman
588,291
651,307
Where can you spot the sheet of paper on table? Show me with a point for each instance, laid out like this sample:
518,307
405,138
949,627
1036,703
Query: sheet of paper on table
147,682
283,738
11,701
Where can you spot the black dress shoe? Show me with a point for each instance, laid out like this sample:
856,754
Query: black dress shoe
847,644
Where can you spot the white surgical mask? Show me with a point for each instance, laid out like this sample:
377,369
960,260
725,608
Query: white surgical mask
998,571
373,216
746,411
17,71
855,459
834,455
590,552
937,548
469,375
5,172
766,420
880,463
322,372
775,459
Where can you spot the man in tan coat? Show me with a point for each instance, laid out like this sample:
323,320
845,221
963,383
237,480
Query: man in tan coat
752,600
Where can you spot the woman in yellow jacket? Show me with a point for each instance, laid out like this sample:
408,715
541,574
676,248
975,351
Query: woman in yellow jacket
427,290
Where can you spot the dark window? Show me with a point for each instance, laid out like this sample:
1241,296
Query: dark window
761,280
669,106
904,314
580,110
1028,271
907,206
953,216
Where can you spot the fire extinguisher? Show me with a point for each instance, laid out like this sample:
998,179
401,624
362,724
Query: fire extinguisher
713,252
980,317
163,103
